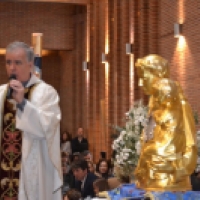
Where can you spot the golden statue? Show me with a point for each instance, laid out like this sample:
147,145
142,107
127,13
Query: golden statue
168,153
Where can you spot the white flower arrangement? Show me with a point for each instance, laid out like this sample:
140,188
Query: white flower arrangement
127,145
198,146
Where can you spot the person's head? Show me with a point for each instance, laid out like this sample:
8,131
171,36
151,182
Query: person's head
65,162
100,185
75,156
64,157
86,155
19,60
149,69
103,166
65,136
91,167
80,133
72,194
124,178
80,169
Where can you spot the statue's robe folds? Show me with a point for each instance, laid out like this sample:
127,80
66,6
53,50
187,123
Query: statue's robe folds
40,173
169,157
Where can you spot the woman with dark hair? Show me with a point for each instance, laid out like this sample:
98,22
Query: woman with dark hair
103,168
92,167
66,143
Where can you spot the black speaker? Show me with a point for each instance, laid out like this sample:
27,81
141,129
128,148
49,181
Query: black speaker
103,154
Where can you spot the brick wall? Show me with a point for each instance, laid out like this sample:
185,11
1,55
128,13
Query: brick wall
183,54
51,69
18,20
67,97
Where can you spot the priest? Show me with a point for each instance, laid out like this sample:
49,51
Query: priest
30,166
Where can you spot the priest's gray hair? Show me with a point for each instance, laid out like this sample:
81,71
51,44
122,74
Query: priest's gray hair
21,45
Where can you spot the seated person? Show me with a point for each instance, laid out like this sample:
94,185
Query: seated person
195,181
92,168
83,179
79,143
72,194
103,168
100,185
114,182
68,178
65,143
87,155
75,156
65,159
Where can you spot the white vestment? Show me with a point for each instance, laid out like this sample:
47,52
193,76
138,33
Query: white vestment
41,174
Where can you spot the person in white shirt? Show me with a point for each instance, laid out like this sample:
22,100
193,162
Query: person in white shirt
66,143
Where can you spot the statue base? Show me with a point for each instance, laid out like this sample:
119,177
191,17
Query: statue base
130,192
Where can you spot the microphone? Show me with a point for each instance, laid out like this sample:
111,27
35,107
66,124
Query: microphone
10,90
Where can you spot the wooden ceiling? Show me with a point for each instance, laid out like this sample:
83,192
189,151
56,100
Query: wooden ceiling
54,1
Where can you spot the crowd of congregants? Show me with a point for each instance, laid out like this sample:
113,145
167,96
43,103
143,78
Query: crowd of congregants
82,178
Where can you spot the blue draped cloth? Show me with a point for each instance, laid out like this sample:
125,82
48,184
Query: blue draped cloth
130,191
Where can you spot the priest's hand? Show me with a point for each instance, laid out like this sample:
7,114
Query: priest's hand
18,90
